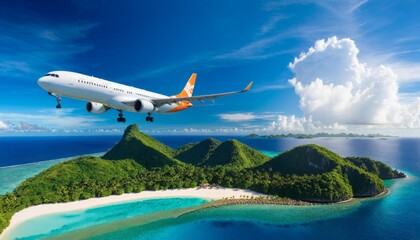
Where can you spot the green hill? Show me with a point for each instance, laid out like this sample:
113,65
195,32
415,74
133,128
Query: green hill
81,178
198,153
376,167
233,153
305,159
146,150
312,159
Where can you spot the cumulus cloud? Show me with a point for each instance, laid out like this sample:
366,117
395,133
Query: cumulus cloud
336,88
25,126
21,127
302,124
3,125
220,131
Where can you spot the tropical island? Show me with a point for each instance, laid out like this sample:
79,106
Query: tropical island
139,162
318,135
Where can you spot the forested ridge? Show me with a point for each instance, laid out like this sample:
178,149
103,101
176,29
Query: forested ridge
139,162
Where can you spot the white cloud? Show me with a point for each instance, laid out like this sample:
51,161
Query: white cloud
198,130
21,127
31,127
271,87
60,118
238,117
302,124
407,98
256,49
28,127
3,125
357,6
271,24
334,87
241,117
289,123
406,71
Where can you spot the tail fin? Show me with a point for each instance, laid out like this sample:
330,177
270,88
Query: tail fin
189,87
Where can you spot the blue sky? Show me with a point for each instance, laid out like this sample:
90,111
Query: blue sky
317,66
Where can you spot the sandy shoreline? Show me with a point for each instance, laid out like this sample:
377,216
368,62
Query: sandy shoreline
231,196
45,209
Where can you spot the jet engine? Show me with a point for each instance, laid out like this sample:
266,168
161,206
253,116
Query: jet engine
144,106
94,107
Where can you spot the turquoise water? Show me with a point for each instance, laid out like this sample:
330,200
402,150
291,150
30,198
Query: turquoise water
377,218
270,153
11,176
54,224
394,216
216,223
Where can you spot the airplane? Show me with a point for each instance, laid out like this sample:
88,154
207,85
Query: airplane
103,95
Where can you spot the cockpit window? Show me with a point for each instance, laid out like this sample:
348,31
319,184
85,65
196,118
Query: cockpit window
52,75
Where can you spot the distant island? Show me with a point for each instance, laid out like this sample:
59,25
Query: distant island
139,162
317,135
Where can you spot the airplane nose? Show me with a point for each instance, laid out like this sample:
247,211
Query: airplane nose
42,82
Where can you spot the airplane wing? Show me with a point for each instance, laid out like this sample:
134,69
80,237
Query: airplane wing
162,101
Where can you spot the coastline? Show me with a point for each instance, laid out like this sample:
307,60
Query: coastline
219,196
54,161
217,193
11,176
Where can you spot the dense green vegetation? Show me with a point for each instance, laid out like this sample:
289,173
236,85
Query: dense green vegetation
376,167
313,159
198,153
233,153
139,162
305,159
144,149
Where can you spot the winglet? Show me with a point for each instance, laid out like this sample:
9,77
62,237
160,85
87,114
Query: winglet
189,87
247,87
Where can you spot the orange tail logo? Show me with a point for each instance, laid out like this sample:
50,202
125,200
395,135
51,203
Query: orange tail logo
189,87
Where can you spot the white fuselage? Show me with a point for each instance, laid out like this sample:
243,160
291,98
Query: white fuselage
110,94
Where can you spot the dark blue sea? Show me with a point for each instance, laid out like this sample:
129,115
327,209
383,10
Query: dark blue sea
395,216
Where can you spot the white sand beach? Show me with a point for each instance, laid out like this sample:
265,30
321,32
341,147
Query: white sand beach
44,209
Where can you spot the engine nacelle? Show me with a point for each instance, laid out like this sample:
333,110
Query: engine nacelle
144,106
94,107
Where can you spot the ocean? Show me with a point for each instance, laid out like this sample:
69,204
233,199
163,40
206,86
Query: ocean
395,216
